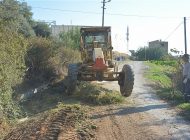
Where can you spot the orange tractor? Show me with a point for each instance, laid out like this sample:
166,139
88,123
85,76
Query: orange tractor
97,63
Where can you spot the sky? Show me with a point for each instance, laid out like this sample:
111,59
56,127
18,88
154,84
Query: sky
147,20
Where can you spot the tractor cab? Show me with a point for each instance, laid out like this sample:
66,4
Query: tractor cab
96,43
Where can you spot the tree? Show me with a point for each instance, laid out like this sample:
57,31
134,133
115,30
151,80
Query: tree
16,16
150,53
174,50
25,10
42,29
71,38
12,68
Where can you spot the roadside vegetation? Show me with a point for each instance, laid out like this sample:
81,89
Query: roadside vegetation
167,76
149,53
42,109
73,120
30,57
165,71
95,95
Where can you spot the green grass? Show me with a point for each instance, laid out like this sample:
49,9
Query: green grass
168,94
86,93
172,63
161,73
94,94
185,106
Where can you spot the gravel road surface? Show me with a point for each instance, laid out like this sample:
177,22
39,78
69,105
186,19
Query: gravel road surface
143,116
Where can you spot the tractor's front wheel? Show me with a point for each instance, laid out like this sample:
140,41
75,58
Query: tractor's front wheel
126,81
72,78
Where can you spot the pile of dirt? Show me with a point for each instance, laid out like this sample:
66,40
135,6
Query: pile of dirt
67,123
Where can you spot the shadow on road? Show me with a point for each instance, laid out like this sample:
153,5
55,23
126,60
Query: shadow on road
129,110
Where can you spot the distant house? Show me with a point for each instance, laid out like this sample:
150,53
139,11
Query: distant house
160,44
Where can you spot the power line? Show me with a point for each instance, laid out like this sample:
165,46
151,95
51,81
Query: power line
112,14
72,11
142,16
171,33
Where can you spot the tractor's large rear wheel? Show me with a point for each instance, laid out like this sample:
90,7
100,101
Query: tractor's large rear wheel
126,80
72,78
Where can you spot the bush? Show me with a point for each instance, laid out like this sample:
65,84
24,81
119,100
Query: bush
42,29
47,59
12,68
150,53
71,38
94,94
172,63
167,74
16,16
38,57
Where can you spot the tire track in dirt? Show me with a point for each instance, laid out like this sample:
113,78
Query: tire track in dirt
108,128
62,120
57,126
115,127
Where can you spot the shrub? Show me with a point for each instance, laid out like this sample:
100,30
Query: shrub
47,59
42,29
71,38
37,58
94,94
172,63
150,53
12,68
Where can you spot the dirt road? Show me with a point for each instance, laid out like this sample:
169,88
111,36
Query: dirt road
143,117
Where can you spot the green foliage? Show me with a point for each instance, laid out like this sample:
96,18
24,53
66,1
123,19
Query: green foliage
185,110
47,59
175,51
9,10
25,10
150,53
169,57
25,28
38,58
71,38
172,63
20,53
185,106
173,71
159,74
97,95
170,70
42,29
168,78
16,16
12,68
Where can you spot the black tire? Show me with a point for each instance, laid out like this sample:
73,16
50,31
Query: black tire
126,81
72,78
187,98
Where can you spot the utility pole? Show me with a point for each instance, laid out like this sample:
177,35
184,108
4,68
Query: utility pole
145,53
185,36
127,38
103,8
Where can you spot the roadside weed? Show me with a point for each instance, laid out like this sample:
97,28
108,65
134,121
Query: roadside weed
97,95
